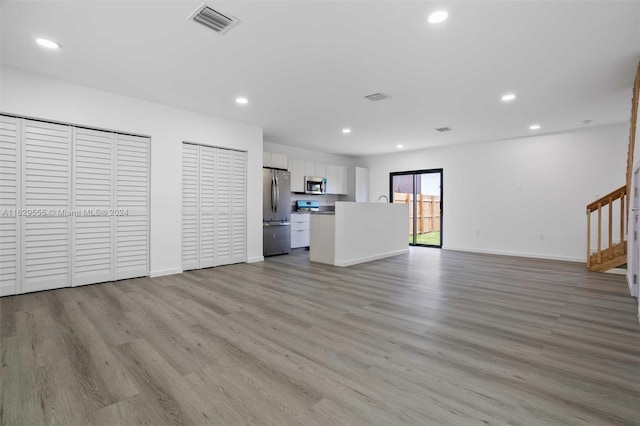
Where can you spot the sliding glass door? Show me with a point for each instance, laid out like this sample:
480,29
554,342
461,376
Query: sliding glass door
422,191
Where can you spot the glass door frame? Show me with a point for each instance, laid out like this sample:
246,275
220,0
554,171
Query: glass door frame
415,173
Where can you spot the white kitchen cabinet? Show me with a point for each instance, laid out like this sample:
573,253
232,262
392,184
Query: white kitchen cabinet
343,180
332,179
279,161
274,160
320,170
296,168
337,179
310,168
300,229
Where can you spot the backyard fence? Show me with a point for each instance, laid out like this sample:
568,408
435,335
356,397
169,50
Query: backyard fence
428,211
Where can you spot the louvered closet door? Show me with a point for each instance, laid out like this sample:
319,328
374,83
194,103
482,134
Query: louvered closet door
46,187
223,206
9,203
132,196
206,199
239,207
190,160
93,166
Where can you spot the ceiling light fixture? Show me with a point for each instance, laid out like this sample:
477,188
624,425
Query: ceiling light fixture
49,44
346,131
399,146
438,17
534,127
508,97
242,101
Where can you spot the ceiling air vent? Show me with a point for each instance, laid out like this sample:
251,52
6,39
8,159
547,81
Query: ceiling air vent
443,129
377,97
210,18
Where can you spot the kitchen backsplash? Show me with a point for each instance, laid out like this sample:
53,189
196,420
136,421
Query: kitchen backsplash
323,200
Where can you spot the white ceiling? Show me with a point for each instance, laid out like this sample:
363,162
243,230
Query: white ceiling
306,65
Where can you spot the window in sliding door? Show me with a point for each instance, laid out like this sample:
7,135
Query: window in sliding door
422,191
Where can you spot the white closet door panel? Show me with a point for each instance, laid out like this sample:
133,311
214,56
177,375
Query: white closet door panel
239,207
223,206
9,200
93,174
206,226
132,195
189,206
46,186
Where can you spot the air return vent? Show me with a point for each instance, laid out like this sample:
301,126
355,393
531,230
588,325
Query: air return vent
377,97
443,129
217,21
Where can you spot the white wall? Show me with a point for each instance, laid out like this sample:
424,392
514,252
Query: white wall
499,197
39,97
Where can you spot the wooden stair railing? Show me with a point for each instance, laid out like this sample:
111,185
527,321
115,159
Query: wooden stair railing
614,254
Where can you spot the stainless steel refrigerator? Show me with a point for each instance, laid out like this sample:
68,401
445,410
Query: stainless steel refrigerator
276,212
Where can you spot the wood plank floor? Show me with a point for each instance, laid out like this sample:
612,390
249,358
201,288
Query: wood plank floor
432,337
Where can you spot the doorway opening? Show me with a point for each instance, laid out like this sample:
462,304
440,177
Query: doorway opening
422,190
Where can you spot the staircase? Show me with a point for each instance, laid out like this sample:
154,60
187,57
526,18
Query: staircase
612,208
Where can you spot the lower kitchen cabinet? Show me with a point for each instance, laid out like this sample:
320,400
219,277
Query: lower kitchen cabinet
300,229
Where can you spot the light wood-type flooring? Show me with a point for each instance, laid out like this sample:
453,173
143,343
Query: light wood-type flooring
429,338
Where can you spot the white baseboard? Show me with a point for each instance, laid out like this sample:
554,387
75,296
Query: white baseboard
616,271
163,272
370,258
519,254
255,259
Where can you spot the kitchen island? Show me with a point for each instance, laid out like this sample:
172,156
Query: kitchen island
359,232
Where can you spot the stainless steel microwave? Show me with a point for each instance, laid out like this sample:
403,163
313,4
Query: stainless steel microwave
315,185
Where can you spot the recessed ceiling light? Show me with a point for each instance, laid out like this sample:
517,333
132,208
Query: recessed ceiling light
534,127
399,146
346,131
438,17
242,101
508,97
49,44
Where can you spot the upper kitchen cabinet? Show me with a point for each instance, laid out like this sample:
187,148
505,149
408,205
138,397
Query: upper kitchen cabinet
310,168
274,160
321,170
337,179
337,176
297,170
